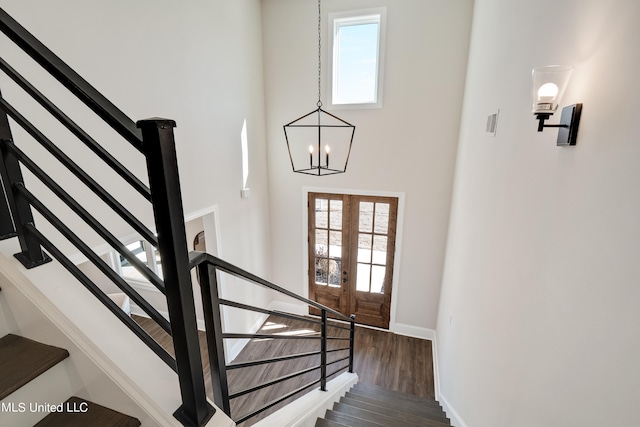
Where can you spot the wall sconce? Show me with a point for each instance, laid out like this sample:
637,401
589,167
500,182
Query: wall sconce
549,84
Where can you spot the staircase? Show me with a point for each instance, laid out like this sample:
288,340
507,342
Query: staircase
367,405
23,361
65,237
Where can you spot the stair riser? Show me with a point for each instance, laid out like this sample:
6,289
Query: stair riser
51,387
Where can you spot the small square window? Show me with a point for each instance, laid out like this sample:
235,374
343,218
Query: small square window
356,58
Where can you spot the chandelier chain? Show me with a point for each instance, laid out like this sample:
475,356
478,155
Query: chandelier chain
319,57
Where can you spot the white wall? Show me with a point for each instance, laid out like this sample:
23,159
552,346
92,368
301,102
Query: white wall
407,146
540,306
198,63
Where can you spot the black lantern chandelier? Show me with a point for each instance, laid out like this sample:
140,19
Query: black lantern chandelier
319,143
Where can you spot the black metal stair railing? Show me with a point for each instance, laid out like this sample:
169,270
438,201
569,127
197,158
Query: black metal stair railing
154,139
208,267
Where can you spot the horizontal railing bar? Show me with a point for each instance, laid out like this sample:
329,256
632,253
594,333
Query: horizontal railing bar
79,173
336,323
71,80
270,336
275,402
113,307
338,327
335,372
337,361
85,215
196,258
235,304
338,349
95,259
270,360
272,382
111,161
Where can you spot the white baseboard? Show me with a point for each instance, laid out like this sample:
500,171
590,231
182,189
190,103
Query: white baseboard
413,331
436,366
454,416
304,411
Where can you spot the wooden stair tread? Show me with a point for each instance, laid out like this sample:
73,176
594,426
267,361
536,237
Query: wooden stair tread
370,416
351,421
321,422
369,388
430,404
22,360
94,416
409,407
398,414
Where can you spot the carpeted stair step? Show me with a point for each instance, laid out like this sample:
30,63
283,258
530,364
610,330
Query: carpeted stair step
81,413
408,407
404,397
22,360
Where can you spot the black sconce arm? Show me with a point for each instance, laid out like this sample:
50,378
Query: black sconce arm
542,117
569,122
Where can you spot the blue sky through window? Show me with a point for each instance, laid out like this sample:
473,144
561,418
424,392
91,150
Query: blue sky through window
357,63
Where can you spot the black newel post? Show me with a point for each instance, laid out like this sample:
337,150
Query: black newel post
323,351
215,343
13,205
159,147
352,341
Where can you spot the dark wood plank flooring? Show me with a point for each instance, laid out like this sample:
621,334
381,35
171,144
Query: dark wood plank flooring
381,358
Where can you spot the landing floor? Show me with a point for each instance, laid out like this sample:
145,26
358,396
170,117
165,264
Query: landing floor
381,358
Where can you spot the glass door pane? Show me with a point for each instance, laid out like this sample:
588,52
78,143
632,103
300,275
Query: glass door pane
373,228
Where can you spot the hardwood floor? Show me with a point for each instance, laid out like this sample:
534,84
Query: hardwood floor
381,358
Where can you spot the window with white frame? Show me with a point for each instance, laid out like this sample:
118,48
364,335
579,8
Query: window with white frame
356,58
147,254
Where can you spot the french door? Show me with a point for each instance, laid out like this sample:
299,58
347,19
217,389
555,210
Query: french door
351,250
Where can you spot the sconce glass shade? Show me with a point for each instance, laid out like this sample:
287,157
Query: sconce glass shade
549,84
